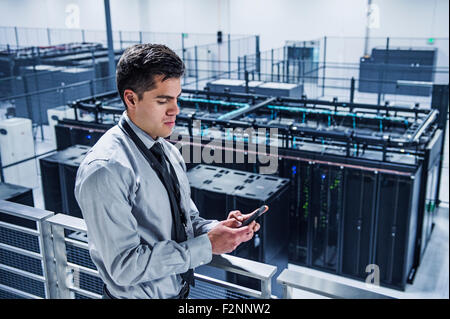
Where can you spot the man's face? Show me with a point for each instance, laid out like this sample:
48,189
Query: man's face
155,113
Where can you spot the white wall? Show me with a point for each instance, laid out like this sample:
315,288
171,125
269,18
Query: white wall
278,21
274,20
412,18
52,14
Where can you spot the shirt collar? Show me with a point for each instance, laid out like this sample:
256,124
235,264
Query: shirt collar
144,136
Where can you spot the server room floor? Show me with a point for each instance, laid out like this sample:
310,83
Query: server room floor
432,277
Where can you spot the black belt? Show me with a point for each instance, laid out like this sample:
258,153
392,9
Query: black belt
183,294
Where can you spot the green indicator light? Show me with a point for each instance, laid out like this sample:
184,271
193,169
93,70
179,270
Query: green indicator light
430,40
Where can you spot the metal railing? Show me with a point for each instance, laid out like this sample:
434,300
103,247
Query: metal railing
74,275
52,261
290,279
27,269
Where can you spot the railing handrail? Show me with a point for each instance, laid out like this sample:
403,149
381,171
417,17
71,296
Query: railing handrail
324,287
24,211
68,222
243,266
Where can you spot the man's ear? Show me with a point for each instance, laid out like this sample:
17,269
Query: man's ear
130,98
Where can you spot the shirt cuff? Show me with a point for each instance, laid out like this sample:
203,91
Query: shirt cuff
200,250
211,225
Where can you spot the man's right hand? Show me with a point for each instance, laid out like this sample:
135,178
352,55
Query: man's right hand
225,236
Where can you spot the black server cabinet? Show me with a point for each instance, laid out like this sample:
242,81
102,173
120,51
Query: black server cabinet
357,224
327,209
69,133
301,175
68,172
385,69
52,187
20,195
395,227
272,191
270,244
317,199
429,197
216,191
16,194
212,189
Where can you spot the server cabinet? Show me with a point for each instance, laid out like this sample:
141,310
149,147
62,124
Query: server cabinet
327,194
69,133
211,189
395,227
20,195
68,172
358,219
53,187
429,196
385,69
270,244
300,210
216,191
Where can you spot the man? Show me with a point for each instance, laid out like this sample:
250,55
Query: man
145,233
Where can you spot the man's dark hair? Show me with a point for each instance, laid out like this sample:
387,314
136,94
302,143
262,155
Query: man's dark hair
139,64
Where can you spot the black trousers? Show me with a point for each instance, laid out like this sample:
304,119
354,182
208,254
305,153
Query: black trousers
183,294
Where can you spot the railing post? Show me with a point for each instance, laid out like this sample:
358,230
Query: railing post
49,267
61,263
258,58
352,89
266,288
239,68
324,64
182,46
245,64
271,65
48,37
196,67
287,292
17,37
229,56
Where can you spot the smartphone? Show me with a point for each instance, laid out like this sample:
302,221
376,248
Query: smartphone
255,215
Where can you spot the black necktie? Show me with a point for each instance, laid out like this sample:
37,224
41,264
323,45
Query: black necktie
178,216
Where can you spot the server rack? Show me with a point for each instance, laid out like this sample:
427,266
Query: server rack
68,172
57,184
395,227
257,87
217,191
303,59
14,62
385,69
20,195
430,177
358,221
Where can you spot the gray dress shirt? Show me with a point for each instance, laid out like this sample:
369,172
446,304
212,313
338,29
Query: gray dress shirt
129,222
